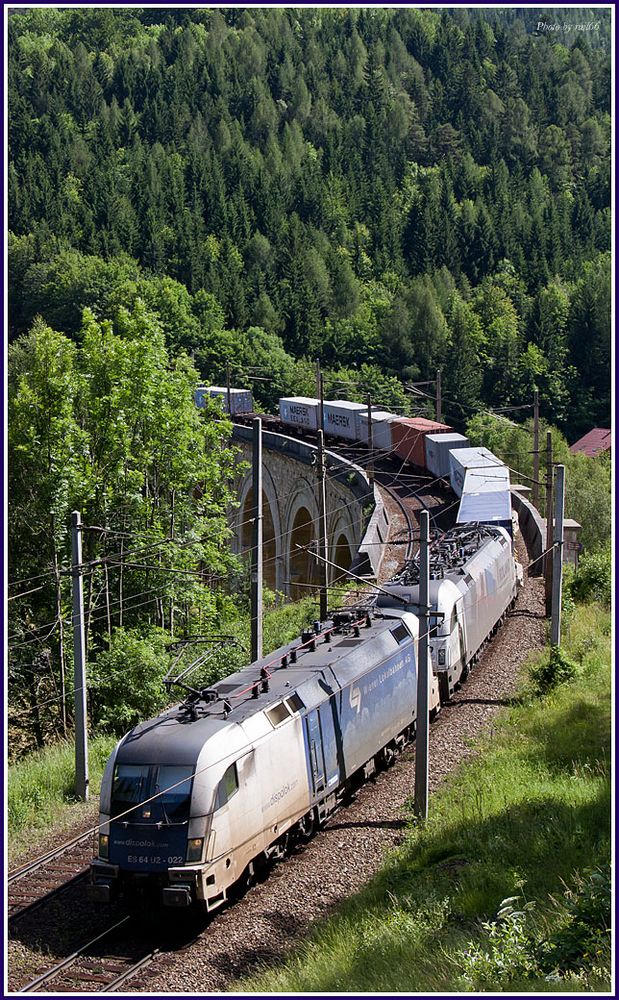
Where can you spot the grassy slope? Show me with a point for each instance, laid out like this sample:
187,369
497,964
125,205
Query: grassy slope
529,812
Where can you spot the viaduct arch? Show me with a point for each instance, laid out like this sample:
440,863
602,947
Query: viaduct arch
357,521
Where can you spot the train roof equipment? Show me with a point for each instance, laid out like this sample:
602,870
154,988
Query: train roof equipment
263,694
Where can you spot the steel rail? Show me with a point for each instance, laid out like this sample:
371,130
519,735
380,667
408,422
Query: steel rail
49,974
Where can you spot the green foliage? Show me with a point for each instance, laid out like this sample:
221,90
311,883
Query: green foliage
514,950
125,682
581,940
506,952
390,161
593,578
39,786
551,669
109,428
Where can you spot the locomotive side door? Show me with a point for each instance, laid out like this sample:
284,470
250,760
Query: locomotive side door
314,750
329,743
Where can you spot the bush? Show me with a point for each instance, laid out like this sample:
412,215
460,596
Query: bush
593,578
125,681
583,937
552,669
511,950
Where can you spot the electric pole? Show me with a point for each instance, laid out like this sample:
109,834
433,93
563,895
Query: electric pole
256,551
322,527
228,391
535,496
79,660
557,557
422,725
370,443
549,532
320,392
439,405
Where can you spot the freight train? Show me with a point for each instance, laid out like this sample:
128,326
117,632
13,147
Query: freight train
195,800
476,476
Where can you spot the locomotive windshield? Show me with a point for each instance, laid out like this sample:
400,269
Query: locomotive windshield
168,788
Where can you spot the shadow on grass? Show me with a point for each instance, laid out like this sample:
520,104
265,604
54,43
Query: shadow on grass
393,926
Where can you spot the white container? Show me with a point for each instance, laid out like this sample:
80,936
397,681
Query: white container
299,411
240,399
340,418
438,447
486,497
381,431
463,459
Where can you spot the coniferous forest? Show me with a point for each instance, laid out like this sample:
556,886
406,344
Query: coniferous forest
390,191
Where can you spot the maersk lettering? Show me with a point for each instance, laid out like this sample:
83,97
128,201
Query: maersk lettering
338,419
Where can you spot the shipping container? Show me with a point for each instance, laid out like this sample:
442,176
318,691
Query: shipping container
300,411
381,430
486,497
407,437
240,399
463,459
438,447
340,418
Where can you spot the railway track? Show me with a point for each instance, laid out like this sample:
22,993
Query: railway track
99,966
38,882
121,954
412,493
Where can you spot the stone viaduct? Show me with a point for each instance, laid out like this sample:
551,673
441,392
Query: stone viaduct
357,521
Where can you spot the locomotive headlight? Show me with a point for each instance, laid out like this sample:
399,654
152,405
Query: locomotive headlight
441,657
104,846
194,849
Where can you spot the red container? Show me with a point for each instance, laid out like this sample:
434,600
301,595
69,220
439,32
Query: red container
408,434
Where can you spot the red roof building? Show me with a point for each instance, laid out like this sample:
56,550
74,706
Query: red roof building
595,442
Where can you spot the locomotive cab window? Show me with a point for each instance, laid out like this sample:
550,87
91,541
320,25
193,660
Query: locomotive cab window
228,785
400,633
157,794
295,703
449,623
